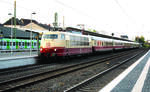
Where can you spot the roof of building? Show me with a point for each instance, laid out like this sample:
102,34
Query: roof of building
24,22
1,25
85,32
11,22
27,21
20,34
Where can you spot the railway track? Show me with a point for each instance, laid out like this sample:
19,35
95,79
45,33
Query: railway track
92,84
20,69
40,76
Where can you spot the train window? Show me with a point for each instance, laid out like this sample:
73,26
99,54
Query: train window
102,43
13,43
73,38
78,38
50,36
87,39
70,43
86,43
34,43
10,43
0,43
105,43
70,38
95,42
22,43
63,36
4,43
28,43
82,39
78,43
81,43
19,43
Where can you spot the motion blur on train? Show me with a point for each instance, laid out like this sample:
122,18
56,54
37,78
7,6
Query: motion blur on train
61,44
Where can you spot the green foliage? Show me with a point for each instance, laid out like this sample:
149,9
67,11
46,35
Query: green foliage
140,39
146,45
92,30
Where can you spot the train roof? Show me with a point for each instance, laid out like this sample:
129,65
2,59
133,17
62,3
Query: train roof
93,37
67,33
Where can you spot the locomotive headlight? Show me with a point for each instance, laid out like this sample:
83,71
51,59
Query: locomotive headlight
41,49
55,49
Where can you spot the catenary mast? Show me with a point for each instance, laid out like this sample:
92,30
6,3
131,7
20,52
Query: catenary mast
15,19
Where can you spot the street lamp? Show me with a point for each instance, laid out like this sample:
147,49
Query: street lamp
81,25
33,13
10,14
112,41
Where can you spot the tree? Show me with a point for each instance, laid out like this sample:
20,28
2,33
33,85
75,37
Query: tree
140,39
137,38
92,30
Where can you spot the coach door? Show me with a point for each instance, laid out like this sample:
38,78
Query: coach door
67,44
0,44
66,41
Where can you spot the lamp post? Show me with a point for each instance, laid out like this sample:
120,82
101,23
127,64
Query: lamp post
33,13
10,14
112,41
81,26
1,37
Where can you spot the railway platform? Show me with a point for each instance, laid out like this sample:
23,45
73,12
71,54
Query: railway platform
136,78
17,55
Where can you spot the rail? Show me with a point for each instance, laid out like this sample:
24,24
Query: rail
90,80
40,76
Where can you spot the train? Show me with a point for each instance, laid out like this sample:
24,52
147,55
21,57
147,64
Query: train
61,44
18,44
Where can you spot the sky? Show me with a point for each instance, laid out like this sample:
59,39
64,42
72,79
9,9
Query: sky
121,17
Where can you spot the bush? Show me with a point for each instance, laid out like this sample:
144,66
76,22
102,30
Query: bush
146,46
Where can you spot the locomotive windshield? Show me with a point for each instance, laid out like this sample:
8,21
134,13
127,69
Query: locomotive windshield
50,36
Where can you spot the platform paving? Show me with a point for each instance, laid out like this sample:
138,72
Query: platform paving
15,55
134,79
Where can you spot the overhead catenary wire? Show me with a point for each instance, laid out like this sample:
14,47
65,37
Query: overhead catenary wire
124,12
78,12
74,9
11,4
129,17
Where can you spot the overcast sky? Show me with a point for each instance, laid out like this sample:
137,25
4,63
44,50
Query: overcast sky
131,17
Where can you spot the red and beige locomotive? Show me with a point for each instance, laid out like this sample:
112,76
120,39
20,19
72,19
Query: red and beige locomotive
56,43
